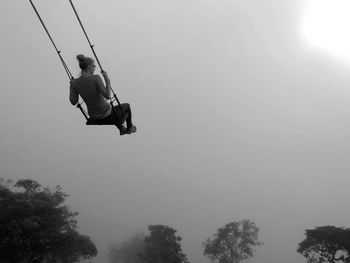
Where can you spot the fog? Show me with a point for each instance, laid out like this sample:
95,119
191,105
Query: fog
239,115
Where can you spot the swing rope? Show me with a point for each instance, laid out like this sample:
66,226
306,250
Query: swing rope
70,76
97,60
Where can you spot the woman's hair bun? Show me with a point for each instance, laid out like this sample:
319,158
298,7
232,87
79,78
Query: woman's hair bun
84,62
80,57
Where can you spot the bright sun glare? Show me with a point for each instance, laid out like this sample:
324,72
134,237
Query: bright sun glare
326,26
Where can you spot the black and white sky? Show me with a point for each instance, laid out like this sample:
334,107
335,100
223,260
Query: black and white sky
242,109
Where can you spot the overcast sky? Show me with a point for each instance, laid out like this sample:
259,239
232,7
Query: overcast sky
242,109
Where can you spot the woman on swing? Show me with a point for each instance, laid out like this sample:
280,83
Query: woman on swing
95,95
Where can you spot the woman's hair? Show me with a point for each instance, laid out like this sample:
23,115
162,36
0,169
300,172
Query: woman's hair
84,62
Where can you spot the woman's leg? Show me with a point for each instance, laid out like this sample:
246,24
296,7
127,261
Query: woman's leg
130,127
126,112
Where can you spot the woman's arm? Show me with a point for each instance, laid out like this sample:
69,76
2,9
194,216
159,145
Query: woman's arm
105,91
73,95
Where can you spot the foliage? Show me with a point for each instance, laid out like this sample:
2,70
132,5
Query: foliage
163,246
36,227
128,251
232,243
160,246
326,244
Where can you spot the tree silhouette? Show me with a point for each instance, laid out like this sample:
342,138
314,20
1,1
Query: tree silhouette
232,243
326,244
36,227
163,246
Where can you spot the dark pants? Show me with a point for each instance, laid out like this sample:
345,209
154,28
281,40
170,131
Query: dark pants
124,116
116,117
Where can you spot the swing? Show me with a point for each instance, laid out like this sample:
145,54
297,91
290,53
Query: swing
112,119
